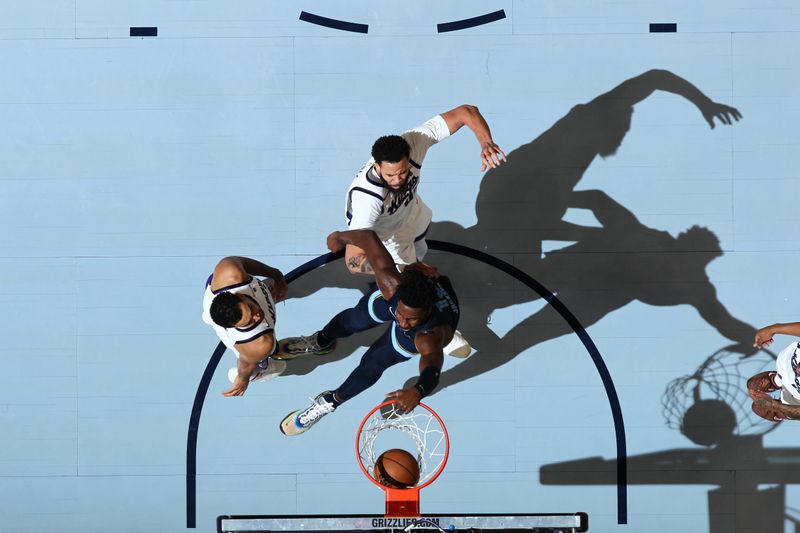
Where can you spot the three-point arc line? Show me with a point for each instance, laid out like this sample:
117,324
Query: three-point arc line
471,22
560,308
333,23
443,27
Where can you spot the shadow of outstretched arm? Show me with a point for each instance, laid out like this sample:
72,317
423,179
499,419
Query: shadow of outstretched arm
634,90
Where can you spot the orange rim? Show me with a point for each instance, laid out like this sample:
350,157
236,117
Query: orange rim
417,487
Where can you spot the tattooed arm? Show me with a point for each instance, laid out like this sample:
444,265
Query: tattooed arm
356,260
386,275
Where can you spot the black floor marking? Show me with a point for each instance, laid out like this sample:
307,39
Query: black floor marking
669,27
333,23
560,308
191,440
471,22
144,31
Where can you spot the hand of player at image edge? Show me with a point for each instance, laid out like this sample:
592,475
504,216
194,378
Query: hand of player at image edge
763,337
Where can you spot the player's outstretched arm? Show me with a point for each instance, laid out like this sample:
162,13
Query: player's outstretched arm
386,275
430,345
469,115
764,335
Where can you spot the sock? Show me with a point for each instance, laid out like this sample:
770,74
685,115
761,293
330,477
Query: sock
330,396
323,340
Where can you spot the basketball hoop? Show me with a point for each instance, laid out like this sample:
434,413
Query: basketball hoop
427,432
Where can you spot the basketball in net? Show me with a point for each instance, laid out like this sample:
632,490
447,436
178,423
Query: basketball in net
396,468
382,443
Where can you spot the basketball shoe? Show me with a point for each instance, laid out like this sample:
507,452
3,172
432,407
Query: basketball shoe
294,346
458,347
298,422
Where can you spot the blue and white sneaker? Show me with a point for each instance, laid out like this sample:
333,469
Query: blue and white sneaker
298,422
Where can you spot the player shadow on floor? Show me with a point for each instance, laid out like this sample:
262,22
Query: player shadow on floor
605,269
712,410
522,203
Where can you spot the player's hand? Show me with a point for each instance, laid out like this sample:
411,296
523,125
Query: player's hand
429,271
491,155
406,399
724,113
278,289
239,386
763,338
760,385
334,243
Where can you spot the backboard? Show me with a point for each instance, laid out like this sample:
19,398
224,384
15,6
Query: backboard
539,523
428,435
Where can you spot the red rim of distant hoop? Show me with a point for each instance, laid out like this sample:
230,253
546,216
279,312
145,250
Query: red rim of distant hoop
435,474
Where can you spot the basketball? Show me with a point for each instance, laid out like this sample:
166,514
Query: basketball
397,469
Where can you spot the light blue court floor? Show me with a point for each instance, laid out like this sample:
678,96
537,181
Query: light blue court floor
129,166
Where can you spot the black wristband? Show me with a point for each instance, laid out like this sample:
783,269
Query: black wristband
428,379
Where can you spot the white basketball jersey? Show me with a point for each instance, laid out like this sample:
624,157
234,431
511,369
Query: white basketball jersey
788,378
258,290
371,204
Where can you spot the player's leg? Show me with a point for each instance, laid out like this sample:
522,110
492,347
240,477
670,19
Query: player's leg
370,311
380,356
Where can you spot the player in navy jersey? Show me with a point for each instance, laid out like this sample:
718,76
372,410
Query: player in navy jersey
422,311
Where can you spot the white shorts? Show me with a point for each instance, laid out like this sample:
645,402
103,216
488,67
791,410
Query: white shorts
407,245
406,253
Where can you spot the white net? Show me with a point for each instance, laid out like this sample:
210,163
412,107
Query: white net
421,426
722,377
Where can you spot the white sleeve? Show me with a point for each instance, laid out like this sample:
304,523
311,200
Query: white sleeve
365,208
426,135
435,128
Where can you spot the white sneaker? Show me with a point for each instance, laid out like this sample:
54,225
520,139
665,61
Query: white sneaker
298,422
458,347
273,369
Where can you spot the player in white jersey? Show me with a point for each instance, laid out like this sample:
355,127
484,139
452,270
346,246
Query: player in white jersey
383,196
785,379
241,309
